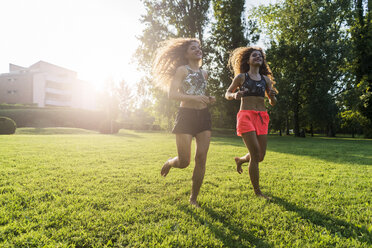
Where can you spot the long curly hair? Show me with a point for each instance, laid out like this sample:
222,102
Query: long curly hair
238,62
168,57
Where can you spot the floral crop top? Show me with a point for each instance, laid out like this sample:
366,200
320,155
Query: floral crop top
194,83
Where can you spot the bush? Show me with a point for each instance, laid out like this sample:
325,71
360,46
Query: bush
7,126
54,117
368,133
109,127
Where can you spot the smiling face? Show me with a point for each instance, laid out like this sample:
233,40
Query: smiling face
194,51
256,58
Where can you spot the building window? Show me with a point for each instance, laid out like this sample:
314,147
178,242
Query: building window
11,79
57,97
58,86
12,92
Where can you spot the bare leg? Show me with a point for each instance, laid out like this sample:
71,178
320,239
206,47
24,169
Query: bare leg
240,161
202,146
262,140
255,147
183,142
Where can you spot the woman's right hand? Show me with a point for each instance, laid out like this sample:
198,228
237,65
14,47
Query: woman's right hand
238,95
201,99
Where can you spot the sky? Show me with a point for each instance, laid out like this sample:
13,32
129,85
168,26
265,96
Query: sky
95,38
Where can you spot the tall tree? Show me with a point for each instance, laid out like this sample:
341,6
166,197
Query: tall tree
228,31
167,19
281,114
362,39
356,98
307,45
125,97
170,18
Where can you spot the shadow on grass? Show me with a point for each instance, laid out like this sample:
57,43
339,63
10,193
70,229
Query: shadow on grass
123,134
234,229
341,150
333,150
53,131
228,140
335,226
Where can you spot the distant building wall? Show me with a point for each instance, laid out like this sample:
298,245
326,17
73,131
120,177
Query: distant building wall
16,88
45,84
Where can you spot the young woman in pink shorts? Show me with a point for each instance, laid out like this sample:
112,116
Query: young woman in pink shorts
253,80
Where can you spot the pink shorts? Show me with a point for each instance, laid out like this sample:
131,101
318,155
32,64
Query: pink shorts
251,120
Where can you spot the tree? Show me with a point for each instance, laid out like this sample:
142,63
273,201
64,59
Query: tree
353,121
280,115
125,97
307,47
228,32
167,19
110,104
355,98
361,33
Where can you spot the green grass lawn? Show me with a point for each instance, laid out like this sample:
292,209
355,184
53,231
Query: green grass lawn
77,188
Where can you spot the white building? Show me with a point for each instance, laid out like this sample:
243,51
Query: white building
44,84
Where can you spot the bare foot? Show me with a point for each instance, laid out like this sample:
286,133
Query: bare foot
259,194
194,203
166,167
238,165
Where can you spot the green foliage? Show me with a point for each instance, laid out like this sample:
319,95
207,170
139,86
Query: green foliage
228,31
307,53
167,107
354,121
361,35
360,61
7,125
319,52
140,120
109,127
54,117
16,106
125,96
166,19
366,97
91,190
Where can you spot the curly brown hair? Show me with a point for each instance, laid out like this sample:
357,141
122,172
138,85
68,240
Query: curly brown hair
238,62
168,57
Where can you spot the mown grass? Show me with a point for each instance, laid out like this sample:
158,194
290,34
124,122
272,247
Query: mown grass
73,188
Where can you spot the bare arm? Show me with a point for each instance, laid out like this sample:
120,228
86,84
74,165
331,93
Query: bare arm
212,99
271,93
236,83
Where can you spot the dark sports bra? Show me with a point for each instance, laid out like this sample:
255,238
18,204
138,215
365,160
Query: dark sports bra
252,87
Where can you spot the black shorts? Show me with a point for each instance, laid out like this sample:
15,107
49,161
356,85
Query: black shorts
192,121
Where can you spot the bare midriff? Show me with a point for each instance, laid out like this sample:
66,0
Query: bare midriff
256,103
192,105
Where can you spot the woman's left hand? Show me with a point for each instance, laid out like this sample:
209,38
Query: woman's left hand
272,97
272,93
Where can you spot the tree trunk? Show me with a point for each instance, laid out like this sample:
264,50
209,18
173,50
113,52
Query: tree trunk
287,126
296,110
330,130
296,121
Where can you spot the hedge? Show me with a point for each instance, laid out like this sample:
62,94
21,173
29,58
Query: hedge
54,117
